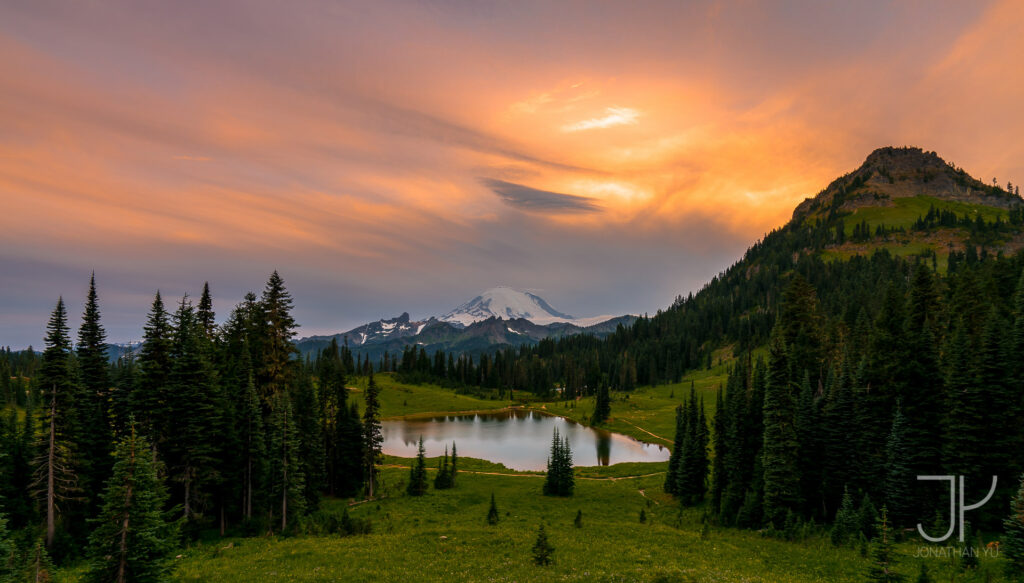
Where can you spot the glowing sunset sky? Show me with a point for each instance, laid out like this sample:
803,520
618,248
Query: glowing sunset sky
403,156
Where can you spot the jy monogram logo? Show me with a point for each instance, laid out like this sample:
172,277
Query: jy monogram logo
953,503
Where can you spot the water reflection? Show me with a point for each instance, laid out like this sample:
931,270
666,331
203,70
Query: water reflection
519,439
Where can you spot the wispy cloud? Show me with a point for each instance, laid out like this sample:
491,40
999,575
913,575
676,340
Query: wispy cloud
533,199
615,116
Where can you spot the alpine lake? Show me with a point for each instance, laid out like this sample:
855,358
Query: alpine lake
519,439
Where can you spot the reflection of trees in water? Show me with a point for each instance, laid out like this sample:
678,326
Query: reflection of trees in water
604,447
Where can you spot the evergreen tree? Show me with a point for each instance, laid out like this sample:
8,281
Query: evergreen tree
151,392
602,406
96,435
372,434
883,553
578,521
781,448
7,569
922,575
443,479
194,415
898,476
455,465
1013,539
132,541
542,549
56,475
846,523
286,473
277,329
311,440
205,314
671,485
492,512
251,438
559,480
418,473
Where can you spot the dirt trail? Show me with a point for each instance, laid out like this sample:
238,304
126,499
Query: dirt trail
666,440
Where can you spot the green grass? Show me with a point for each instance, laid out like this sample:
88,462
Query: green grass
904,211
443,536
399,400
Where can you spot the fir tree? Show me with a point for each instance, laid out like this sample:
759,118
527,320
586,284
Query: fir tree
898,475
602,406
418,473
311,439
559,480
455,465
373,438
1013,539
781,448
7,569
443,479
96,435
882,553
56,476
151,392
204,313
285,467
846,523
542,549
132,540
194,415
671,485
492,512
578,521
277,329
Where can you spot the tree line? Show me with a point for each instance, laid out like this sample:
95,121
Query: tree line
241,434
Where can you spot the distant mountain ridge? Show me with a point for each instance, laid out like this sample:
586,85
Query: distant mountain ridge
500,316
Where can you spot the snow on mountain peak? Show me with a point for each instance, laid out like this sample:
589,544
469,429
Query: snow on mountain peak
507,303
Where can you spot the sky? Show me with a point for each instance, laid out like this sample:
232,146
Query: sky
395,156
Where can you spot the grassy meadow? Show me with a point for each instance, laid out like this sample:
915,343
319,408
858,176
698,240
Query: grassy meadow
444,537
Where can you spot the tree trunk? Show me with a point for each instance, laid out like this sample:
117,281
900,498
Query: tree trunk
188,491
284,478
122,564
51,460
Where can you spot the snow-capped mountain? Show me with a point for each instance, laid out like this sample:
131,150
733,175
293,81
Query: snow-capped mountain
509,304
382,330
500,316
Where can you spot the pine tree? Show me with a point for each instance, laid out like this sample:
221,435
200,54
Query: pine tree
285,467
455,465
7,570
846,523
132,540
194,415
252,438
492,512
373,438
277,329
542,549
418,473
672,475
96,435
559,480
781,448
205,314
578,521
1013,539
151,392
898,474
602,406
56,475
443,479
882,553
311,440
